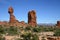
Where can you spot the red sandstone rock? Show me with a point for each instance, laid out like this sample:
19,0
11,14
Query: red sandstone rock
58,23
23,24
32,18
3,22
10,10
12,17
13,21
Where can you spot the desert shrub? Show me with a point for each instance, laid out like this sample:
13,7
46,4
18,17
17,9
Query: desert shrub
47,29
28,28
2,31
12,30
26,36
57,32
36,29
35,37
29,36
2,38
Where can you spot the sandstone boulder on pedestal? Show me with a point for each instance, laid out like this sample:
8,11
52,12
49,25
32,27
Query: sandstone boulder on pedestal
32,18
13,20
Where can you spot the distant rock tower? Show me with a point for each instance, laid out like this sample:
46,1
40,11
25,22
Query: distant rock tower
12,17
58,23
32,18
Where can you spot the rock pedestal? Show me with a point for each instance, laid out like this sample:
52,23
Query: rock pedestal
32,18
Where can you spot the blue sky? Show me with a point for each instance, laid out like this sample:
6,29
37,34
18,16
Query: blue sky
47,11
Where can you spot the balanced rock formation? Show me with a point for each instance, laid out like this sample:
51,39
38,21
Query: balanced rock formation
58,23
32,18
13,21
12,17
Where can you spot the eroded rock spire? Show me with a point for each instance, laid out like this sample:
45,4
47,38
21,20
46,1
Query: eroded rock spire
32,18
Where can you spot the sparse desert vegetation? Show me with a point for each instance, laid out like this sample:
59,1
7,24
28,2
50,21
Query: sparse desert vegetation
26,33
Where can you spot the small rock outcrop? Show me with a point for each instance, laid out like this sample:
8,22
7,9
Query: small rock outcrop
58,23
3,23
32,18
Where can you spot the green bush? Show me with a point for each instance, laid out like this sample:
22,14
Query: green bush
28,28
57,32
35,37
36,29
2,38
12,30
29,36
47,29
2,30
26,36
